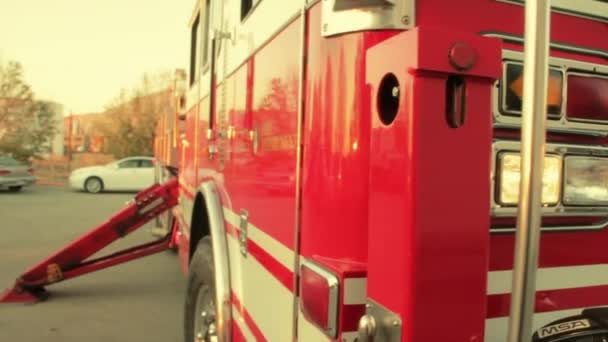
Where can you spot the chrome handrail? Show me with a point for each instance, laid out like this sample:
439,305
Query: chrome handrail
527,236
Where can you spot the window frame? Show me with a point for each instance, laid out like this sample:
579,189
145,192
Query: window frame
245,15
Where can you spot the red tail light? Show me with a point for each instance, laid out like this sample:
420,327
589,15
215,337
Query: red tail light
319,297
587,97
4,172
30,170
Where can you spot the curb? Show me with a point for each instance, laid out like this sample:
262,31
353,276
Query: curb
50,183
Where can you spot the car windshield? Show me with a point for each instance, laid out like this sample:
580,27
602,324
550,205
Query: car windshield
8,161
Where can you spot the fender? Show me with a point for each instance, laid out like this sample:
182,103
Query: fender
217,230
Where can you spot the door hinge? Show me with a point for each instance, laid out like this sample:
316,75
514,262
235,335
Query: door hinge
243,232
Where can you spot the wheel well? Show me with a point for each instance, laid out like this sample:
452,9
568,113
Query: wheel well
199,227
91,177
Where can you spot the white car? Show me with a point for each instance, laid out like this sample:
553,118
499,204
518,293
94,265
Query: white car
128,174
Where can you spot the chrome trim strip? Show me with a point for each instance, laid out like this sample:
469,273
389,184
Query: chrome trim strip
334,292
578,8
220,260
347,16
559,210
533,132
562,124
511,38
299,163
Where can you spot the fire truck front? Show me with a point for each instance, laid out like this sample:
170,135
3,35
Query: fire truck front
446,108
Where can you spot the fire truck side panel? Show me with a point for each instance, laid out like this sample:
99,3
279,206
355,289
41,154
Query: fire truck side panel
428,243
254,169
260,181
334,227
383,206
336,145
500,16
570,278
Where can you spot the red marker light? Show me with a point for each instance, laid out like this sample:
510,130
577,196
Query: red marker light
319,297
587,97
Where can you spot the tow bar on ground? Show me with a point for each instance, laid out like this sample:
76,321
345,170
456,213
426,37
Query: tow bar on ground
71,261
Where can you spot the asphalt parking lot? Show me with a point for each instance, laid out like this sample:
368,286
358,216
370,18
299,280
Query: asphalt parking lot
138,301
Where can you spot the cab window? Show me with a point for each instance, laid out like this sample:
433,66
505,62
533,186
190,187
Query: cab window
146,163
247,6
193,50
128,164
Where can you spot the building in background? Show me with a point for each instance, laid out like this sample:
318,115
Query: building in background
56,145
82,134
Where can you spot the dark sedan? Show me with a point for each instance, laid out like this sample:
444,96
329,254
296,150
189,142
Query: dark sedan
14,175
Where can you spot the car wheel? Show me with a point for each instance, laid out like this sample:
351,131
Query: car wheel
15,188
200,309
93,185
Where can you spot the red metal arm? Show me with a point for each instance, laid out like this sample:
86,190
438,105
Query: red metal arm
71,261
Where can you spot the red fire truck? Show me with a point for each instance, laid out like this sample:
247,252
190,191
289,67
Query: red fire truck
167,145
351,171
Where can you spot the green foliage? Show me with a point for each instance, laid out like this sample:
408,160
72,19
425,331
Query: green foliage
26,125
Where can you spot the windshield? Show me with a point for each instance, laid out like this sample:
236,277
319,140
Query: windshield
7,161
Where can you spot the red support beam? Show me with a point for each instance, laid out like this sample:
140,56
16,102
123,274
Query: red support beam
71,261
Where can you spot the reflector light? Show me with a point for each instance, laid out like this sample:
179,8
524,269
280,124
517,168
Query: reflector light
513,91
509,171
586,181
587,97
4,172
319,297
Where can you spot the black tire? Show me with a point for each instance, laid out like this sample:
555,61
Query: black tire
15,188
93,185
201,288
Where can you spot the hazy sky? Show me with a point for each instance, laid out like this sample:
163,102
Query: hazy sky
81,52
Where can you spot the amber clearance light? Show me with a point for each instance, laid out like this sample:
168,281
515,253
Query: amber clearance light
512,93
587,97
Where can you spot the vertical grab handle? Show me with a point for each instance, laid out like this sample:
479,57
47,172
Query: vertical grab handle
527,236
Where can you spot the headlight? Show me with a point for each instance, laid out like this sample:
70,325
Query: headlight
586,181
509,177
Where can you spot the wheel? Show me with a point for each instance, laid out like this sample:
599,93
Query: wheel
15,188
200,309
93,185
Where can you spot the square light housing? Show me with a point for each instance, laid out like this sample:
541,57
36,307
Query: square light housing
587,97
512,85
509,178
586,181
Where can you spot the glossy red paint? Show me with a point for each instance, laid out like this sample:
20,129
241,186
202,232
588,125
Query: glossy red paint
562,299
260,172
429,189
270,263
336,145
556,249
459,16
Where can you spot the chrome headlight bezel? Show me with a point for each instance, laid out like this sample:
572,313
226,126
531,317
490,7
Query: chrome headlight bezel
561,208
602,164
500,181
